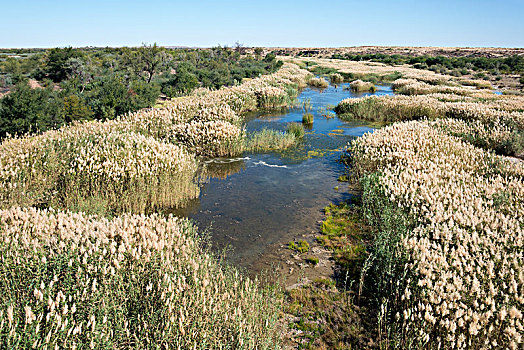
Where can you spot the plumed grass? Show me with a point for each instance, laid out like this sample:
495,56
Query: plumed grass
79,165
318,82
374,109
362,86
77,281
336,78
425,243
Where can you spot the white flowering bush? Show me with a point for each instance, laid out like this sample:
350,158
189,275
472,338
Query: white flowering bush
448,256
74,281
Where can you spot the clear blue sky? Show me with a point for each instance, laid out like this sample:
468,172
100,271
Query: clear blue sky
262,23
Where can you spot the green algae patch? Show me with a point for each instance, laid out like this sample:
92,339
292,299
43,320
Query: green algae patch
300,246
324,317
345,233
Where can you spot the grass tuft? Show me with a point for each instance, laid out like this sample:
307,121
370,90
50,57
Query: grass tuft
307,118
296,129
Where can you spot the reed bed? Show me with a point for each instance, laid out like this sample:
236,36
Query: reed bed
383,72
502,116
77,281
214,138
82,164
415,87
308,118
143,161
446,262
270,140
318,82
118,280
448,253
362,86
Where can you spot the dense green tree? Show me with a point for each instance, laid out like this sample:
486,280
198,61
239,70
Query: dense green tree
113,95
258,52
57,61
78,73
147,61
29,110
75,109
183,82
102,83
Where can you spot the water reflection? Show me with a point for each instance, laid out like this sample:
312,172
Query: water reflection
221,168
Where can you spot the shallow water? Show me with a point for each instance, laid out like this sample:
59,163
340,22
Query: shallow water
257,201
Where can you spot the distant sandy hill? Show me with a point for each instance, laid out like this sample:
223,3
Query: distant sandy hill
402,50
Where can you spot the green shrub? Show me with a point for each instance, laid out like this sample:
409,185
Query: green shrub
26,110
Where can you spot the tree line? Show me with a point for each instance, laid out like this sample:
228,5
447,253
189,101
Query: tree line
49,88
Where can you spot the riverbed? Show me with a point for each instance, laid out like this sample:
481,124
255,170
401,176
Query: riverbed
255,204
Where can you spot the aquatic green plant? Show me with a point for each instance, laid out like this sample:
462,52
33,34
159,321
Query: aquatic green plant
307,118
344,232
297,129
269,140
306,105
325,317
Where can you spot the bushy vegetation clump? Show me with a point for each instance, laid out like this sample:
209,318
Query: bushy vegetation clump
269,140
301,246
296,129
90,165
307,118
336,78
